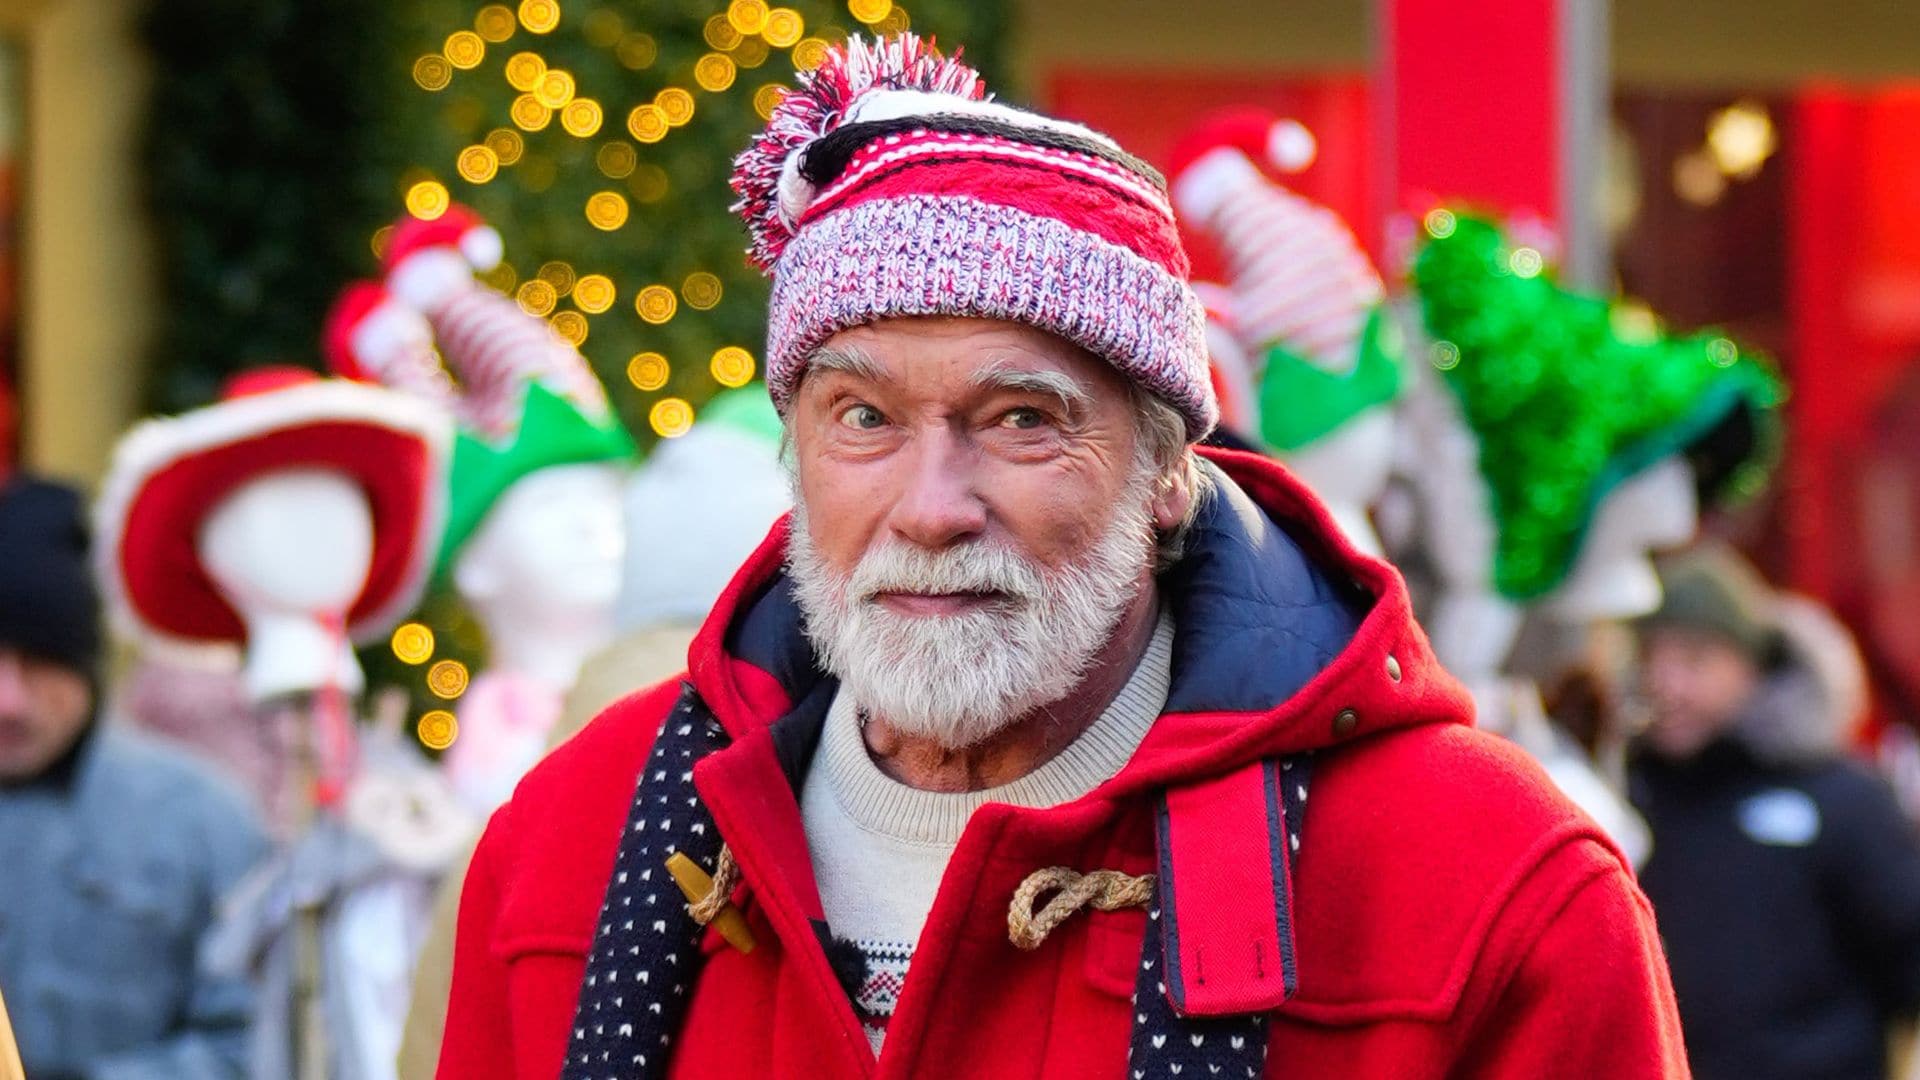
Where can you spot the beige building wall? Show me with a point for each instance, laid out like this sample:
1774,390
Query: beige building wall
89,281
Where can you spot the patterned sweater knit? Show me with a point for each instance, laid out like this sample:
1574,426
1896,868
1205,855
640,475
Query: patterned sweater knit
879,847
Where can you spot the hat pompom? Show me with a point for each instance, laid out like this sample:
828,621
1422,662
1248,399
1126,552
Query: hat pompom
767,175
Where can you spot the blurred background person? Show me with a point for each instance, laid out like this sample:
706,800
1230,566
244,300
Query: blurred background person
1785,879
116,848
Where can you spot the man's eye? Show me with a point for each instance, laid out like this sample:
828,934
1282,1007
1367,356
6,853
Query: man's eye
1023,419
862,418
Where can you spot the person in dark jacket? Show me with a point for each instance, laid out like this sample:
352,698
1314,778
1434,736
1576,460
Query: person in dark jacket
114,848
1785,879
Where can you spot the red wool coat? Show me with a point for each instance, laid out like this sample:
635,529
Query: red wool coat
1452,914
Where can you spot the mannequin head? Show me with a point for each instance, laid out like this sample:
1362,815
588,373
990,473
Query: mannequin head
290,551
1348,469
1613,578
542,571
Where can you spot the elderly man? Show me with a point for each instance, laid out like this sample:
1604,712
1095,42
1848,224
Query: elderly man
114,849
1034,744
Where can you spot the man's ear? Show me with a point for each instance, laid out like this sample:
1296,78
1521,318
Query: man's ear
1172,497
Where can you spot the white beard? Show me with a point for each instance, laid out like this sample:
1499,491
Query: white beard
960,679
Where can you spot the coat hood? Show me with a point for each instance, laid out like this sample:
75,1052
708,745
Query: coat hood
1813,695
1286,638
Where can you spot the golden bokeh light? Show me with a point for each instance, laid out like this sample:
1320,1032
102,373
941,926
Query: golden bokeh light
1439,223
895,22
647,123
607,210
648,371
594,293
555,89
528,114
465,49
581,117
506,144
784,27
500,278
732,367
447,679
616,159
413,643
809,54
538,172
767,98
721,33
525,70
382,236
656,304
869,11
495,23
648,183
702,290
571,326
540,16
537,297
748,16
432,72
477,164
637,52
752,53
670,417
437,729
427,199
714,72
676,104
558,274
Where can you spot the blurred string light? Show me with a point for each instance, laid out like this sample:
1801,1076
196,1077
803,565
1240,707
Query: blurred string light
721,33
432,72
714,72
477,164
647,123
603,28
525,70
495,23
378,242
558,274
607,210
427,200
810,53
870,11
413,643
540,16
701,290
506,144
529,114
767,98
581,117
437,729
748,16
616,160
572,326
1741,138
594,293
676,104
655,304
637,52
555,89
648,371
501,278
671,417
732,367
465,49
784,27
752,53
537,297
447,679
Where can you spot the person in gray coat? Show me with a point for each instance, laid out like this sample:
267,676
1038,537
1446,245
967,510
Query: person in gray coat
115,848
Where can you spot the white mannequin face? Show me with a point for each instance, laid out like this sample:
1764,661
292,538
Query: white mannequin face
1613,578
547,557
290,551
391,332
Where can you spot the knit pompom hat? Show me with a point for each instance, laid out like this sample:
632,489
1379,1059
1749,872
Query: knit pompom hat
889,184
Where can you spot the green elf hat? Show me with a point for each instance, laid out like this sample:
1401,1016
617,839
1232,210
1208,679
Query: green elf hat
1568,398
552,431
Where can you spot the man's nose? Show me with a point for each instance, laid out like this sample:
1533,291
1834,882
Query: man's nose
939,504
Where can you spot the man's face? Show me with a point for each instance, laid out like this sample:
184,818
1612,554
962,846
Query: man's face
1696,685
973,517
43,707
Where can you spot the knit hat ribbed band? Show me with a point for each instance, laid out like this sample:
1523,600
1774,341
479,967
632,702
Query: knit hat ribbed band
887,185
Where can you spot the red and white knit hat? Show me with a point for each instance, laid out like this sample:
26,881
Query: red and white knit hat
888,184
1297,274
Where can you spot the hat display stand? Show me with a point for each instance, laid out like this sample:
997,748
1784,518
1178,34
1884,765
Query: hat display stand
293,518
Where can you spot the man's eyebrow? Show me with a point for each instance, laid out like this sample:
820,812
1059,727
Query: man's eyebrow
1001,376
848,361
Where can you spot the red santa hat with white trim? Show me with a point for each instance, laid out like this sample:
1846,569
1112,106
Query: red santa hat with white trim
372,336
169,474
427,260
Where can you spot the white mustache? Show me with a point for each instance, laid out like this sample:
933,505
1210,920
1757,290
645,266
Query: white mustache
973,568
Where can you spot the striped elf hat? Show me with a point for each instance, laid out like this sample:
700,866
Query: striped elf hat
889,184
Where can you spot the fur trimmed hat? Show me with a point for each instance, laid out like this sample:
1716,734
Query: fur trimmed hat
889,183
